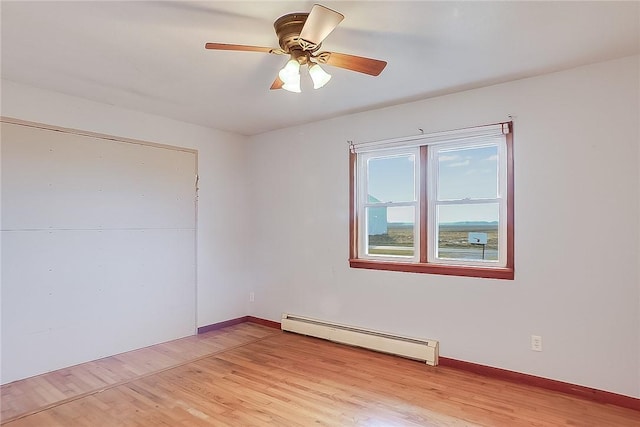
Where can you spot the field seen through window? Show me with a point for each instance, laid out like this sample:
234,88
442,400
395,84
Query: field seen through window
453,241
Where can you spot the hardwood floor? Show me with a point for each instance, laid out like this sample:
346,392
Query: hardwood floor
251,375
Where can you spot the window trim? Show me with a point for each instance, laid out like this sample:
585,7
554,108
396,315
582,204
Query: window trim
423,266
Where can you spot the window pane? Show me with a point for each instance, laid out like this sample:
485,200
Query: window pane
468,232
391,179
467,173
390,231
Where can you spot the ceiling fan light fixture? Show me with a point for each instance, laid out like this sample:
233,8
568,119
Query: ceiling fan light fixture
290,72
319,76
293,84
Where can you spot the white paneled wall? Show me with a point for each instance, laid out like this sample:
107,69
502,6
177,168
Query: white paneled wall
99,249
222,233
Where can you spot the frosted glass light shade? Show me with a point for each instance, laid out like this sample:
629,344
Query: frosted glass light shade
319,76
290,72
293,83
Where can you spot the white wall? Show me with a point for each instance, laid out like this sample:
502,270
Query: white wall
222,240
577,230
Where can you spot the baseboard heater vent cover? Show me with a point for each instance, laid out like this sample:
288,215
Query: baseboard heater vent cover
413,348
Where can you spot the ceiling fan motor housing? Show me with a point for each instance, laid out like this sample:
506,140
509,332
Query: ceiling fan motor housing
288,28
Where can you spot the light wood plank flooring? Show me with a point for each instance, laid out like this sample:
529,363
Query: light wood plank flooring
251,375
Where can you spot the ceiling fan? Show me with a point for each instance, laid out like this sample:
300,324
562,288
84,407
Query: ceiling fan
300,35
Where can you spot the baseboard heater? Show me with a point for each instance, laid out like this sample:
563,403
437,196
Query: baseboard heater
413,348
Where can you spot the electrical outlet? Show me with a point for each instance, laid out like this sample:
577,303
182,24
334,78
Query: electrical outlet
252,297
536,343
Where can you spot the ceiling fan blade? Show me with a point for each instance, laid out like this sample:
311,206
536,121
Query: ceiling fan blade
360,64
242,47
277,83
320,22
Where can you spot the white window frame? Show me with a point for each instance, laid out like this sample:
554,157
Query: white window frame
363,203
433,201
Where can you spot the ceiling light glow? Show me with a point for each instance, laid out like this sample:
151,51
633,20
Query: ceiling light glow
319,76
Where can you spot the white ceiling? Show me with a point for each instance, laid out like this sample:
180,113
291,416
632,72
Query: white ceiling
149,55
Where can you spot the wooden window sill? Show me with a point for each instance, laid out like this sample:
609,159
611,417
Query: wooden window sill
449,270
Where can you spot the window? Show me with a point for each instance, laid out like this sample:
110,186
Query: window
439,203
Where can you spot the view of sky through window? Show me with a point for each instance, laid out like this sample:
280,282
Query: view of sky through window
468,173
463,173
392,179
